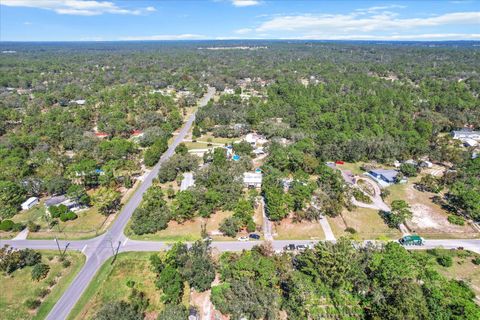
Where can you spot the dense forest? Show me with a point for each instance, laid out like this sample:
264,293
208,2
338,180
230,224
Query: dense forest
330,281
350,101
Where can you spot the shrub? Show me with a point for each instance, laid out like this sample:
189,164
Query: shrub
476,261
18,227
32,303
51,282
42,292
68,216
6,225
33,227
445,260
460,221
360,196
130,283
230,227
350,230
40,271
66,263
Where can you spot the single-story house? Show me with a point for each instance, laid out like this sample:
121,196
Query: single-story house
466,134
388,176
55,201
30,202
252,179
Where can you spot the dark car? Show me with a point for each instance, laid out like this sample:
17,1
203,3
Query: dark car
290,247
254,236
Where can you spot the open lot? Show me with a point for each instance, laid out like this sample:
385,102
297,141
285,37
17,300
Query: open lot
429,219
19,286
109,284
305,230
367,223
187,231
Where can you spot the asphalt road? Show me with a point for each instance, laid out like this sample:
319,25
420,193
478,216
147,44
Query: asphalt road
99,249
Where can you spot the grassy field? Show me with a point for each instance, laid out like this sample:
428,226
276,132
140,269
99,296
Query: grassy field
88,224
305,230
187,231
19,286
367,223
462,269
109,284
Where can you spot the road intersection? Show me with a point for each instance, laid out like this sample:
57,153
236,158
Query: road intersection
100,249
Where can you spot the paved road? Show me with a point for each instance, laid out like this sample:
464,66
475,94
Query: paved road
98,250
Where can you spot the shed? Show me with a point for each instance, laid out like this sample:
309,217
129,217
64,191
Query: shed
30,202
252,179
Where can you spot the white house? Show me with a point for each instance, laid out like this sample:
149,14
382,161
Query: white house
30,202
470,143
464,135
252,179
255,139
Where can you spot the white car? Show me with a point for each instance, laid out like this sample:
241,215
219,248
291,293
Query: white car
243,239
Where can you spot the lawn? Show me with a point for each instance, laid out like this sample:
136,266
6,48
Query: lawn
305,230
19,286
187,231
109,284
89,224
354,167
367,223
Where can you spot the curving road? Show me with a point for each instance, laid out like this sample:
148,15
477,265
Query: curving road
99,249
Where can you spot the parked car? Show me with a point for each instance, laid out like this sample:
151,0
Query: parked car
289,247
301,247
254,236
243,238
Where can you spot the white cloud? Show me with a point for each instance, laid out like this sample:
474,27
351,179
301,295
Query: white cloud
348,23
243,31
185,36
405,37
77,7
27,23
245,3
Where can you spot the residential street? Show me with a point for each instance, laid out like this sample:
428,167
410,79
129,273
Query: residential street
99,249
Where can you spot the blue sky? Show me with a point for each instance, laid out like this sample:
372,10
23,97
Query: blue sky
79,20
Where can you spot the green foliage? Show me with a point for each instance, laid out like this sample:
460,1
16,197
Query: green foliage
32,303
11,260
230,226
360,196
153,214
107,200
408,169
118,310
460,221
429,183
178,163
11,197
155,151
40,271
399,214
173,312
181,149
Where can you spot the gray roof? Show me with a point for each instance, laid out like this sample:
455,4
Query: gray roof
53,201
388,174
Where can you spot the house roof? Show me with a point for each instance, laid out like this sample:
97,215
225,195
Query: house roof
30,200
252,177
388,174
53,201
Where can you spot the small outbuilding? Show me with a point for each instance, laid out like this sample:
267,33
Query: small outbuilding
29,203
252,179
